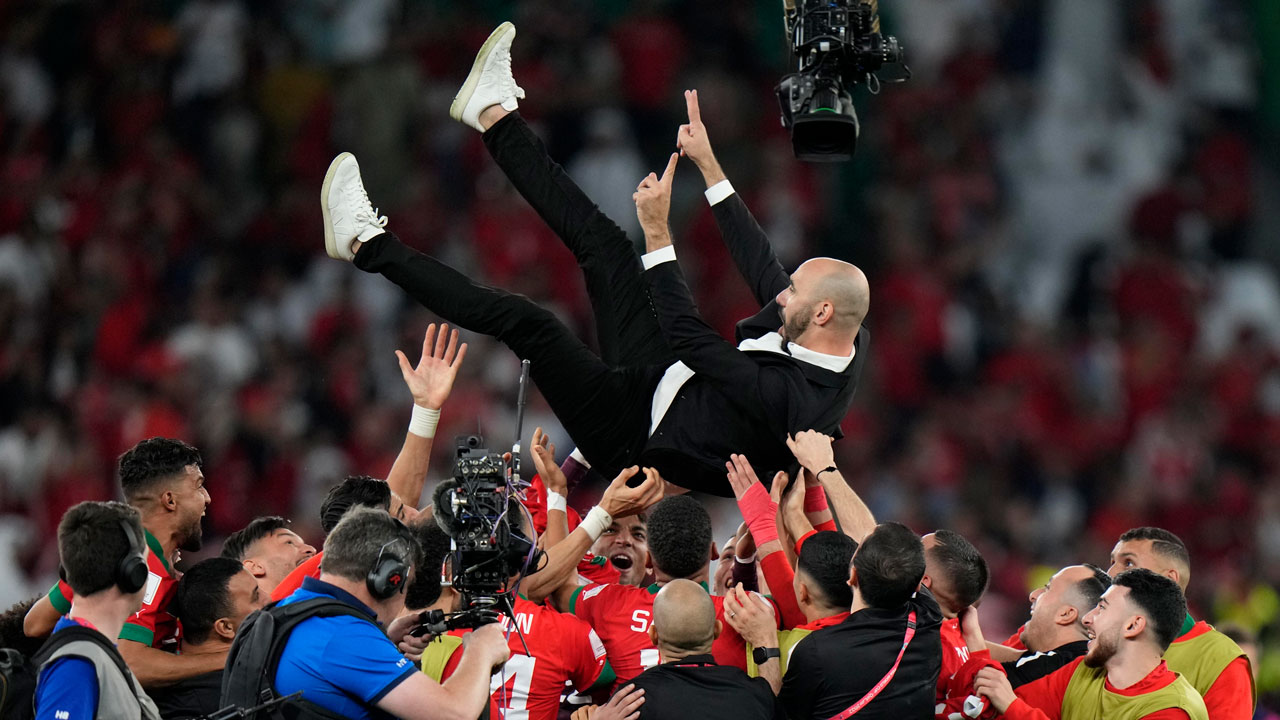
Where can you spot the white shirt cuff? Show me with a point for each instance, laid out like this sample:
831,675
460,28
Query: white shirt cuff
719,191
659,256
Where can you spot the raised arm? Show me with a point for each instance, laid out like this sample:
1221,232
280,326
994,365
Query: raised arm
813,450
690,338
746,241
430,384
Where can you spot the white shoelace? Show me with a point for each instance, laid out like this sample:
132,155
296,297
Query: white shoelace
366,212
509,86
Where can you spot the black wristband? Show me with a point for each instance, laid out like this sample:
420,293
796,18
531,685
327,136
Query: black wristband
829,468
762,655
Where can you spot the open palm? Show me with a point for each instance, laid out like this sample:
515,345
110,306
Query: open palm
432,380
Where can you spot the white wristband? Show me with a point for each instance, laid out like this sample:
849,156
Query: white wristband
596,522
556,501
423,421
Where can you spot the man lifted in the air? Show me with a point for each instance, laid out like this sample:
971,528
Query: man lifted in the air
665,391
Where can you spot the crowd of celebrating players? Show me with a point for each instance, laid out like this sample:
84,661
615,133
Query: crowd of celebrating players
813,609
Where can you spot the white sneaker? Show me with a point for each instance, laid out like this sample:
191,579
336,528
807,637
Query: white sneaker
490,82
348,215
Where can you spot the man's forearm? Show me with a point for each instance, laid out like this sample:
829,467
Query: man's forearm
855,517
409,473
772,671
711,171
468,687
40,619
562,563
157,668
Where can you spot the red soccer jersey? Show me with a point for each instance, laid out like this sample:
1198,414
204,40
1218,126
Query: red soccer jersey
621,614
954,654
561,647
152,625
293,581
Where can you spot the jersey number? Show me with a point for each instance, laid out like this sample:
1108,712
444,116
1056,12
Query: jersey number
518,671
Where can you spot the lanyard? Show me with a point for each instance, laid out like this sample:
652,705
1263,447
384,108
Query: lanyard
884,681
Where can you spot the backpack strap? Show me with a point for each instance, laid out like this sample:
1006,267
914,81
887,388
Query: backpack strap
255,654
79,633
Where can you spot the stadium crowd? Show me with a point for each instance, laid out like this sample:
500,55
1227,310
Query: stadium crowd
1075,356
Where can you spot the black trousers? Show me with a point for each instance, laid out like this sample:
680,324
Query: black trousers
602,400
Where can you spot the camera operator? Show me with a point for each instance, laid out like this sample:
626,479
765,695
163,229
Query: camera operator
345,664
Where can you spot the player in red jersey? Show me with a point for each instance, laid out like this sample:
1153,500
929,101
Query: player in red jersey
548,648
163,479
956,574
679,548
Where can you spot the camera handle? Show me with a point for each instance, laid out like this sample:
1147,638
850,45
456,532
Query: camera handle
513,472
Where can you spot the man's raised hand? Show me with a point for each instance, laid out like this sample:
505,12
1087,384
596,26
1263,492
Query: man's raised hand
653,205
693,142
812,449
544,461
621,500
431,382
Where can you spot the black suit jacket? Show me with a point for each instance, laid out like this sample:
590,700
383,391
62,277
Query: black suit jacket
739,402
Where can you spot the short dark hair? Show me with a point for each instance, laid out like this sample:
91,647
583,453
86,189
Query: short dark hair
151,461
679,536
11,633
91,544
352,549
1163,543
824,559
965,568
435,543
1159,598
202,596
237,543
355,490
890,565
1091,588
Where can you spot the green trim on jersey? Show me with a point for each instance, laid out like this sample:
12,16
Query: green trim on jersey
156,548
606,679
573,600
654,588
137,633
1187,624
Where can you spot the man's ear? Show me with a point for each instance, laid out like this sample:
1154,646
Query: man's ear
823,312
803,597
1134,626
225,629
719,628
715,552
648,561
1066,615
653,634
853,577
167,501
927,582
255,568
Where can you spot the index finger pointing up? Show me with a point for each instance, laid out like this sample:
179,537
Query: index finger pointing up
671,168
691,103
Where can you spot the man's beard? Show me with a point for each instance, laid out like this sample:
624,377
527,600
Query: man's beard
1100,653
192,539
795,325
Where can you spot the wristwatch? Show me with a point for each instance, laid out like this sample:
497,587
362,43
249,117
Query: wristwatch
762,655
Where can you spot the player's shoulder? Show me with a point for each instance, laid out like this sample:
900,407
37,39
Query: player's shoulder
615,592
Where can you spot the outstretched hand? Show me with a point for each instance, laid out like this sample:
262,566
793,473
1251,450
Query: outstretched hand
653,205
692,137
432,380
621,500
544,460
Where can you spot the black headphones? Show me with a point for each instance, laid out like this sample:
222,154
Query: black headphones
131,573
390,572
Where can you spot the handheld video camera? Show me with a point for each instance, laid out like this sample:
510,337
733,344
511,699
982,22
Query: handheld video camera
476,509
837,45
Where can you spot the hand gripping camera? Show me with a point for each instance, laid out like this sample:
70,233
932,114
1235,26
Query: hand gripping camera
837,44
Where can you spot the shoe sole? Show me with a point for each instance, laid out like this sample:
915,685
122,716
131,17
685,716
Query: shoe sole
477,69
330,244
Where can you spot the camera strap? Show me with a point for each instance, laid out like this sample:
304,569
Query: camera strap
884,681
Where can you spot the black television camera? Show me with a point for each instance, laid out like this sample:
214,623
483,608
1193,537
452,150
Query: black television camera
475,508
837,43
